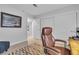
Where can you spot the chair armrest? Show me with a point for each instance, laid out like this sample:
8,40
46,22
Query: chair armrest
59,40
62,41
53,49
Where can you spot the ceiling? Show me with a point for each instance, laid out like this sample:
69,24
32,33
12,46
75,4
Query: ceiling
40,9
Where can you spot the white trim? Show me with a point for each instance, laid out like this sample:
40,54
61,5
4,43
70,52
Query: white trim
17,42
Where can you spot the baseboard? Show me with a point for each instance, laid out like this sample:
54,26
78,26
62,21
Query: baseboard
17,42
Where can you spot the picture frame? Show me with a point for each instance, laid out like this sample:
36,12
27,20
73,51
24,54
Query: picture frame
10,21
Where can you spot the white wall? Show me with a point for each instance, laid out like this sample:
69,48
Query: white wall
77,18
65,25
38,24
36,28
48,22
14,35
62,22
59,11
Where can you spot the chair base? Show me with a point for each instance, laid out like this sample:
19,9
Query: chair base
64,51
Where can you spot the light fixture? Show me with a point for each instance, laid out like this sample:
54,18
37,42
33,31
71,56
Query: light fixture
35,5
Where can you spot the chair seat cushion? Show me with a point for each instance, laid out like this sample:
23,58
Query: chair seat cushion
64,51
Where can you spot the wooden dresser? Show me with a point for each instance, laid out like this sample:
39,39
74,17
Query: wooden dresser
74,46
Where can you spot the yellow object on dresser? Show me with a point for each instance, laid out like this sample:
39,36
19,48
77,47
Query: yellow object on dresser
74,46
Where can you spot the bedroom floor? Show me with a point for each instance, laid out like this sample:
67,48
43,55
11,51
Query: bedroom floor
32,47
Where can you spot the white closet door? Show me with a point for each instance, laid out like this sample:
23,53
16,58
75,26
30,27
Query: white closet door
47,22
65,25
36,28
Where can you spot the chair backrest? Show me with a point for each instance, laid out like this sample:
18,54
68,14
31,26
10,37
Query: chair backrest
47,38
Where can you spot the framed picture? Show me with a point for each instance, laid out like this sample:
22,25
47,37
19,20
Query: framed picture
9,20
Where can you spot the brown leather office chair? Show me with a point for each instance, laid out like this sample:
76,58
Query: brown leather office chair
49,43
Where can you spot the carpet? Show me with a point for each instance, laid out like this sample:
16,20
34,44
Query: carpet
32,46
